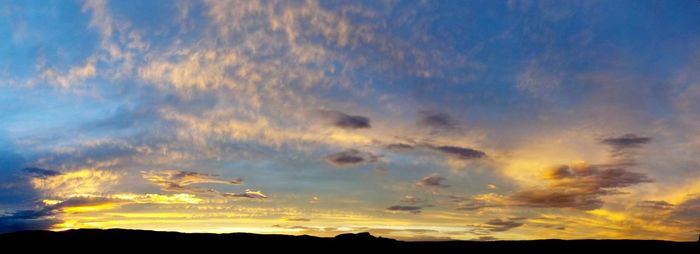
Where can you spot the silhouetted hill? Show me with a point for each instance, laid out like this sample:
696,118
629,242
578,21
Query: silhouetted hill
95,240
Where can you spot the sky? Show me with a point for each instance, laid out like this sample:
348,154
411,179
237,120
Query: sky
415,120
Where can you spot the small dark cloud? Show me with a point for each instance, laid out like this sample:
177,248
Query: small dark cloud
499,225
297,219
556,227
432,180
350,157
486,238
345,121
461,153
405,208
437,121
656,205
40,172
467,203
399,147
625,142
473,205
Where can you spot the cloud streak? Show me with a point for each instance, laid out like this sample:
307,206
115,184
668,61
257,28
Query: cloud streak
350,157
623,144
345,121
433,180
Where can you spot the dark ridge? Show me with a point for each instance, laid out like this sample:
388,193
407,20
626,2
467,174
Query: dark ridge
110,240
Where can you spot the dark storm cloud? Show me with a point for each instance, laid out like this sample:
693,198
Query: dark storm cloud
578,187
462,153
40,172
498,225
405,208
345,121
350,157
27,220
436,121
432,180
625,142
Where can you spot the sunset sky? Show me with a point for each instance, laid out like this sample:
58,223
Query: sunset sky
415,120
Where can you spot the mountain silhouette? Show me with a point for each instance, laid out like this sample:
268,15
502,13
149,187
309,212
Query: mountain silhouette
119,240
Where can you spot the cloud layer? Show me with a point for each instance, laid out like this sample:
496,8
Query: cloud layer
413,120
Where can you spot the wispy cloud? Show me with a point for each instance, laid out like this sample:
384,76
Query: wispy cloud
432,180
437,121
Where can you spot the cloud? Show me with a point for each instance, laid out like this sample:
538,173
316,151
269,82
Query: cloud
74,183
86,204
461,153
437,121
297,219
476,202
486,238
97,153
498,225
578,186
405,208
73,76
48,216
432,180
345,121
27,220
176,180
409,199
397,147
40,172
246,194
656,205
349,158
625,142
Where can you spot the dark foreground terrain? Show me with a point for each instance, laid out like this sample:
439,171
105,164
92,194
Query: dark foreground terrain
108,241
